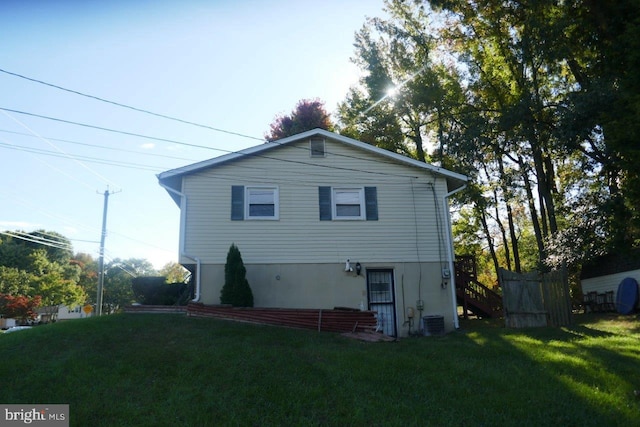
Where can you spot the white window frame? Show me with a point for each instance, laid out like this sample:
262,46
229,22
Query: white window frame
247,202
317,153
334,203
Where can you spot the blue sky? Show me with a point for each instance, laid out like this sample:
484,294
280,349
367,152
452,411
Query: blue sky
231,65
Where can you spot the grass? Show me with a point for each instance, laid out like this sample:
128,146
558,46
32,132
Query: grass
170,370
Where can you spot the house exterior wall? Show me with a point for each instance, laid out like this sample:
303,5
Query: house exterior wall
298,260
410,227
608,282
328,286
66,313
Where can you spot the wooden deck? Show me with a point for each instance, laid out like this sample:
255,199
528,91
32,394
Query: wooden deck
473,296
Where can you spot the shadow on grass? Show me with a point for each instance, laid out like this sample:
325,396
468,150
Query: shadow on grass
584,374
172,370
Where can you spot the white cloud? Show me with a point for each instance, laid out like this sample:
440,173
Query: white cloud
148,145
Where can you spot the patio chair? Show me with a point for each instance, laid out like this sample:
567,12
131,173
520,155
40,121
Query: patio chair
609,301
591,302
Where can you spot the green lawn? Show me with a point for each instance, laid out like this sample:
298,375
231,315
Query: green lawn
171,370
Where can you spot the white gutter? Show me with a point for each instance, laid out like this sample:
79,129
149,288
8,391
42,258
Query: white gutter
183,216
449,236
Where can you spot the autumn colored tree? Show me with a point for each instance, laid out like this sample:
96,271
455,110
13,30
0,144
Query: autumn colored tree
19,307
308,114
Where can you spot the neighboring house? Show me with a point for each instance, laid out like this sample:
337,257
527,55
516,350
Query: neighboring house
66,313
322,221
605,273
60,312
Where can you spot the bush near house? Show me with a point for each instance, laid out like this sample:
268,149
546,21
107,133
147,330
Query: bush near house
236,290
154,290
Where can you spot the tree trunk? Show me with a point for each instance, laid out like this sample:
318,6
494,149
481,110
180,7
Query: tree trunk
418,141
532,209
482,214
507,201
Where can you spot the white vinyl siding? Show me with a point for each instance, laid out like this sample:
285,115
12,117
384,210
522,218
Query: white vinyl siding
609,282
399,235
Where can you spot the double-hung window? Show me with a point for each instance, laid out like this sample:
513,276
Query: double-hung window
348,203
254,202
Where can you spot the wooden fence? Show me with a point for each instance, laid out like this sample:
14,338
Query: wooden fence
534,299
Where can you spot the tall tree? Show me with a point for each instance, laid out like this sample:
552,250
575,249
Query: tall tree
537,101
174,272
406,96
308,114
574,65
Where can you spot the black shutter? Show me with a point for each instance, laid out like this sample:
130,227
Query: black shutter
237,202
324,198
371,203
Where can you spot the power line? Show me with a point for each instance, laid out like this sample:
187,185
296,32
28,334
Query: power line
120,266
44,242
108,181
67,221
164,116
43,239
141,167
112,130
65,173
201,146
103,147
84,158
141,110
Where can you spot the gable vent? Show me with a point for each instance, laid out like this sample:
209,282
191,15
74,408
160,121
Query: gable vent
316,147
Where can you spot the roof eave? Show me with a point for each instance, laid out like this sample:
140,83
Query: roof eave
454,180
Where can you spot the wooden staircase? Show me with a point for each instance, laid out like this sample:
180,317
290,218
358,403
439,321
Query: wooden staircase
473,296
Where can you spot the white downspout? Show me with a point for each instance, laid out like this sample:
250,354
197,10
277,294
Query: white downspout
183,230
449,236
196,298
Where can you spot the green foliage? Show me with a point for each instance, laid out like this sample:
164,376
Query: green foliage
236,290
536,102
21,254
308,114
56,291
174,272
119,273
30,269
14,281
154,290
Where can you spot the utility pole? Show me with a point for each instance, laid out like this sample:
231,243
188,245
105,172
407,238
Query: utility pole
101,259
